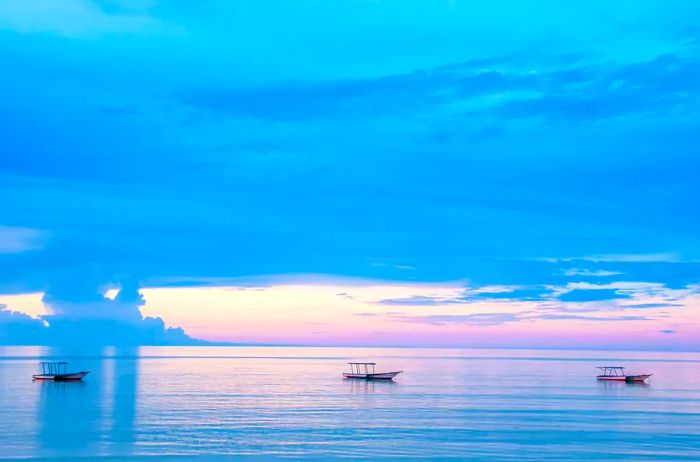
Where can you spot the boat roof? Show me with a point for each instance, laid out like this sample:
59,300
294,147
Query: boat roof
369,364
53,362
610,367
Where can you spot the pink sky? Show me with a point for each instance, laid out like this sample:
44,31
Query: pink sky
345,311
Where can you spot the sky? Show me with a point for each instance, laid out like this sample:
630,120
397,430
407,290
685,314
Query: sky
365,172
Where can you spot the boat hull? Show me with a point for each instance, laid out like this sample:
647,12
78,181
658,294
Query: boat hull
374,376
637,378
608,378
70,377
624,378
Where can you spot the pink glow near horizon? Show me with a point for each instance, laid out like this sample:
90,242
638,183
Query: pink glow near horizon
337,314
383,313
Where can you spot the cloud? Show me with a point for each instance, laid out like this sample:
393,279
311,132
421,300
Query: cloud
648,88
252,202
567,292
664,257
673,274
485,319
490,319
521,294
383,96
592,295
18,240
367,314
567,317
507,90
345,296
472,295
80,315
72,18
587,272
419,300
643,306
19,329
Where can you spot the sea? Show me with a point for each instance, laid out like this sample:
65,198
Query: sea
278,403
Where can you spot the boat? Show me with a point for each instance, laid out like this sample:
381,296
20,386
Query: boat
57,372
362,371
617,374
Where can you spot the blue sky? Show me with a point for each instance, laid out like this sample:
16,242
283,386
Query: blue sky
503,143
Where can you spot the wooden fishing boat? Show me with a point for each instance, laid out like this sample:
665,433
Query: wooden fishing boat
617,374
57,372
362,371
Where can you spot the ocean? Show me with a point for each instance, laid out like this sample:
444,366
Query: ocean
291,402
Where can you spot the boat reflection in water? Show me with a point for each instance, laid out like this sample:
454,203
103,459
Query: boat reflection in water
370,387
94,417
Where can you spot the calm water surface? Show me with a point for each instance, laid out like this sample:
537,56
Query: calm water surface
292,403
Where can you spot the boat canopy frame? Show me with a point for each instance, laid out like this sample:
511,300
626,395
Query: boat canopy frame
613,371
356,368
54,368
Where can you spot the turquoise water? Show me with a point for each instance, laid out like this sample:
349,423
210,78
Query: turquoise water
292,402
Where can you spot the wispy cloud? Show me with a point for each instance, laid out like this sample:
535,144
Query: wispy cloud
665,257
515,294
592,295
420,300
574,317
577,92
492,319
644,306
73,18
18,240
485,319
587,272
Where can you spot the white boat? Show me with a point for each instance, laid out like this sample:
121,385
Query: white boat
362,371
617,374
56,371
